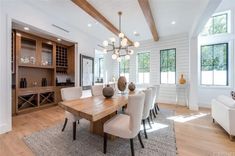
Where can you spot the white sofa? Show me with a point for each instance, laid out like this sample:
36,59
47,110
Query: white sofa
223,112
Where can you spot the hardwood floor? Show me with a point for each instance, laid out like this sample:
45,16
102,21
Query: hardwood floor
196,135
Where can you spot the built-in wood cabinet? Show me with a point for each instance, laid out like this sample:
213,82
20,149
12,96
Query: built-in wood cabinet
35,64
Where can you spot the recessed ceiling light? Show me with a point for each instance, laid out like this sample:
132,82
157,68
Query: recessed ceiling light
173,22
58,39
89,25
26,28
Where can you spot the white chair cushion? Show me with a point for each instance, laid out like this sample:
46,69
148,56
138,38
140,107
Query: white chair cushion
228,101
119,126
71,117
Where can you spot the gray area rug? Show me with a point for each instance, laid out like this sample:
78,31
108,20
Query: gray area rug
53,142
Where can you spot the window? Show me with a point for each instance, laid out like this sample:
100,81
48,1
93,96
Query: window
214,64
124,67
143,67
101,67
217,24
168,66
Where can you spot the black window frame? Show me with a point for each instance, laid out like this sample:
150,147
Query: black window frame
213,25
227,64
167,65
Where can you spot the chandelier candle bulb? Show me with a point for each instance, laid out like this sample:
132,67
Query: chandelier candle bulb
121,35
124,42
136,44
105,43
131,52
114,56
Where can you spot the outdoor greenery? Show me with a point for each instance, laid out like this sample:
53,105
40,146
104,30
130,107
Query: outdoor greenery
168,60
124,65
101,67
216,25
214,57
144,62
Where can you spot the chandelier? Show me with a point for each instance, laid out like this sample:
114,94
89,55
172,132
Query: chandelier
123,47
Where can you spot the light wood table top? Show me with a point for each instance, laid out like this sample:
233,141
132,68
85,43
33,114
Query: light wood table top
96,107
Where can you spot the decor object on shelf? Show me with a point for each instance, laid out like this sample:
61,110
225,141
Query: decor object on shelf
131,86
182,79
122,83
44,82
23,83
123,49
108,91
233,95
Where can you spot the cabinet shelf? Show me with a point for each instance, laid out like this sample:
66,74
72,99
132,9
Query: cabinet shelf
35,66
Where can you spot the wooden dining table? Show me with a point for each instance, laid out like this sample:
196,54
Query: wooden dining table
96,109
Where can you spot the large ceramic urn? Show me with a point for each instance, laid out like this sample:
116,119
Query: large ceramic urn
108,91
122,83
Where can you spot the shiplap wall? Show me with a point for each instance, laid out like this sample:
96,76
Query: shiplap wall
181,43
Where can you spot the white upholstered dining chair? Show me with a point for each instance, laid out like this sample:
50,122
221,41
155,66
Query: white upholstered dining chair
97,90
147,108
154,93
67,94
127,125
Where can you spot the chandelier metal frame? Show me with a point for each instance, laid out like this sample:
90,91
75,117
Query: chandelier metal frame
124,45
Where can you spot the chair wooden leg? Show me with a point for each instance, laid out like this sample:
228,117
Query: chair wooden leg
132,147
213,120
78,122
105,143
145,133
153,113
141,142
65,123
149,122
74,130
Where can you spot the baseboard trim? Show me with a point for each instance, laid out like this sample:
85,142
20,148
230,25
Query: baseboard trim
4,128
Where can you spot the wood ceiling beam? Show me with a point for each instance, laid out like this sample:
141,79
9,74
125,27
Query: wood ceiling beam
89,9
144,4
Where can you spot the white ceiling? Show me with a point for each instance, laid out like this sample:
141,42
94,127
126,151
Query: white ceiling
184,12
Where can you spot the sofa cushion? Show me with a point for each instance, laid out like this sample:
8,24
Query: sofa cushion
226,100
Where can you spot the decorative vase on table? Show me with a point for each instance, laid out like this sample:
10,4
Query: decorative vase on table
108,91
131,86
182,79
122,83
